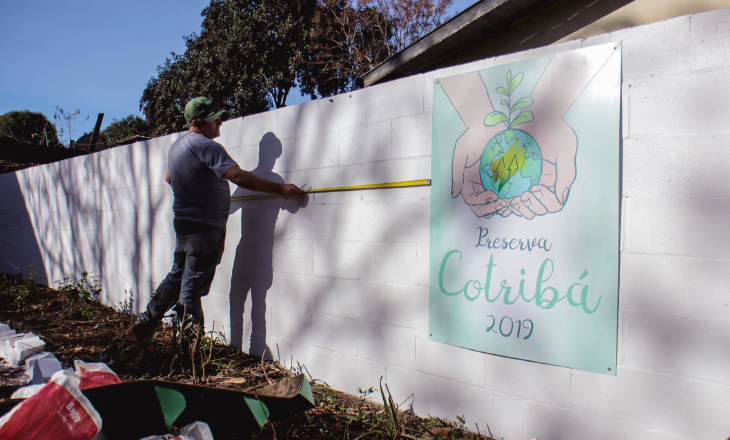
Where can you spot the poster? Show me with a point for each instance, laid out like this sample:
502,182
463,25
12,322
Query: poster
525,201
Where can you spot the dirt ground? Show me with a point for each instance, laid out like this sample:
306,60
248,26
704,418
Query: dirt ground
74,326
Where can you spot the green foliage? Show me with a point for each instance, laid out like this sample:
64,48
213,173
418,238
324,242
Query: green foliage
522,117
251,53
79,295
29,127
247,57
22,288
123,129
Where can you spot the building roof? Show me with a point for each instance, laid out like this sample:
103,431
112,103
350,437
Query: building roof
490,28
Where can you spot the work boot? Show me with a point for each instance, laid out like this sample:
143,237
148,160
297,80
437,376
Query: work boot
147,321
143,330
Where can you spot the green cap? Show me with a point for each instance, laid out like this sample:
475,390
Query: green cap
202,108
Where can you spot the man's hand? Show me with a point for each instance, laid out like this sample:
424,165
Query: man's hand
289,191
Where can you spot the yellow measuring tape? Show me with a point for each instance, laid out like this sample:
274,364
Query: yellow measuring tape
403,184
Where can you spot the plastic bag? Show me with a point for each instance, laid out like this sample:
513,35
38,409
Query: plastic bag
94,374
193,431
58,411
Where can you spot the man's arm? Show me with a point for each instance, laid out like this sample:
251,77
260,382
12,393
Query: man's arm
250,181
167,177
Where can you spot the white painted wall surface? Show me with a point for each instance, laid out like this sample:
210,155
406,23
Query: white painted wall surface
340,284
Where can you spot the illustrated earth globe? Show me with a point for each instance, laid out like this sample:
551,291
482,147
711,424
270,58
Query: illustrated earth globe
511,163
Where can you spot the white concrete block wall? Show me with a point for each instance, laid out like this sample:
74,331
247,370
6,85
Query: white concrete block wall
340,284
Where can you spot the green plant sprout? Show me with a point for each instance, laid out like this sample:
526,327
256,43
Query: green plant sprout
522,117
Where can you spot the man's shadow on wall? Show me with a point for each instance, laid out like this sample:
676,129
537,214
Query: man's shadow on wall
252,267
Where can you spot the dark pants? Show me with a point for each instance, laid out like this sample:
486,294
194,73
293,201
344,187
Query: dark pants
198,250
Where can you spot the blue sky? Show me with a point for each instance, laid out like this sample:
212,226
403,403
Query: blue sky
96,56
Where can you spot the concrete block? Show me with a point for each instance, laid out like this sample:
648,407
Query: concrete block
317,150
640,59
335,333
660,106
315,222
690,348
232,134
392,194
358,300
423,262
551,422
655,403
44,369
409,222
247,156
679,226
704,409
388,344
360,222
365,143
654,284
280,350
337,259
337,177
708,40
394,263
318,362
394,99
395,170
308,293
449,361
298,120
707,288
291,324
668,175
292,256
412,136
406,306
708,155
256,126
344,110
352,373
480,407
530,380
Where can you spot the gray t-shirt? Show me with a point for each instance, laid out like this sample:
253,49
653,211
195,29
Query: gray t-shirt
200,193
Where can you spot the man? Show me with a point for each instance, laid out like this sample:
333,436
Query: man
198,171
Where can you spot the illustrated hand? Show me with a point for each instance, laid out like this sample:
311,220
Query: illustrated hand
471,100
559,145
466,177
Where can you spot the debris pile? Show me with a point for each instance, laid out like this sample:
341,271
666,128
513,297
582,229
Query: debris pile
91,402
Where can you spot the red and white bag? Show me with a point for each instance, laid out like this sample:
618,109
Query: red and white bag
58,411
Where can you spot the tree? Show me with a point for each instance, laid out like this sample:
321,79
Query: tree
123,129
247,57
251,53
29,127
66,121
347,40
351,37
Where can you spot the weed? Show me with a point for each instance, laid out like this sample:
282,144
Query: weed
78,295
23,288
127,306
193,348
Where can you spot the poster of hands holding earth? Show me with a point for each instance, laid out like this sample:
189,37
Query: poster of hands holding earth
525,209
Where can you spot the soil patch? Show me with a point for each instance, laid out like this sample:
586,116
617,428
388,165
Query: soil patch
74,326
